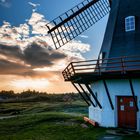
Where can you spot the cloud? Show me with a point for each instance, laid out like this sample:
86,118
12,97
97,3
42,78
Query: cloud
34,5
13,68
38,24
14,35
34,54
26,51
38,56
11,51
30,43
5,3
83,36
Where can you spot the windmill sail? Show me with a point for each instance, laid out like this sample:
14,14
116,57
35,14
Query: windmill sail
76,20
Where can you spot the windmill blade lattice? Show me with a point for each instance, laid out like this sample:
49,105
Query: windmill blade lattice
76,20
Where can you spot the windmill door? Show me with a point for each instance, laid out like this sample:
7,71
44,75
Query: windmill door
126,112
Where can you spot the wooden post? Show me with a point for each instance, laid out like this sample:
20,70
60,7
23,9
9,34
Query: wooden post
86,95
108,95
96,100
81,94
133,94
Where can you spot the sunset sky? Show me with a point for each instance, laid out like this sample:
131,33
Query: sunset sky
28,59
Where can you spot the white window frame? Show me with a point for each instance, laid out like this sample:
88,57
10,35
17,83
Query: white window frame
130,23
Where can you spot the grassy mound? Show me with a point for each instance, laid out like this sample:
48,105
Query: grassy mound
48,121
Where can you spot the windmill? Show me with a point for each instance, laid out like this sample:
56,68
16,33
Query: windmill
113,80
76,20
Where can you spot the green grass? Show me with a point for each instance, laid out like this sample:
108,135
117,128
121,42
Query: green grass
38,107
48,121
47,126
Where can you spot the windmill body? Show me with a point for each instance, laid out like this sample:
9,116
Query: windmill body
120,42
117,41
113,80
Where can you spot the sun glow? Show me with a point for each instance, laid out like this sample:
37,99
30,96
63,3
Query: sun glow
35,84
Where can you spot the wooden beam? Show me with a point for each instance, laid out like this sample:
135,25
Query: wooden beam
133,94
91,92
81,94
86,95
108,95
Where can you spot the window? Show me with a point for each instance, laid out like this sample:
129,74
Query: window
130,23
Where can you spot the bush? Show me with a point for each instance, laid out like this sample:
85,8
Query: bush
35,96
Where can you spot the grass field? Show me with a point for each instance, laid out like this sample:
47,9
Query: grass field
48,121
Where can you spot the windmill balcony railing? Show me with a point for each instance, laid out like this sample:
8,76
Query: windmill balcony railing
120,64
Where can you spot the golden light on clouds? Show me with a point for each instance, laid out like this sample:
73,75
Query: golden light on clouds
36,84
28,59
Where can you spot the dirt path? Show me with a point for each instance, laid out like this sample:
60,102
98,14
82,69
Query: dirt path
110,137
7,117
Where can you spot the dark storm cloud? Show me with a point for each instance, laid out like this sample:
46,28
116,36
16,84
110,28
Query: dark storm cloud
11,51
34,56
39,56
7,67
